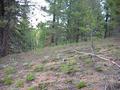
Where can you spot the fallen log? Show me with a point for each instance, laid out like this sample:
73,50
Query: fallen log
99,56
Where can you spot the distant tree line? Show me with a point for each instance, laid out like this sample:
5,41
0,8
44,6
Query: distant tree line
72,21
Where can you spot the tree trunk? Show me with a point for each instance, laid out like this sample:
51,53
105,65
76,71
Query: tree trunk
4,29
106,30
77,38
106,23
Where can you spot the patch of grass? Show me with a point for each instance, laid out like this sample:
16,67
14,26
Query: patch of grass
116,53
8,80
31,88
39,68
72,61
38,51
98,69
97,49
20,83
67,68
27,65
88,61
43,86
30,77
81,84
9,70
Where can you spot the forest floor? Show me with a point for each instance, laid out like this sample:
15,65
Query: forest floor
61,68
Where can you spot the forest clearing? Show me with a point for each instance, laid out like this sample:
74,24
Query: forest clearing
62,68
59,44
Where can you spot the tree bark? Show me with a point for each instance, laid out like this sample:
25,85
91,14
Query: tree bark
4,29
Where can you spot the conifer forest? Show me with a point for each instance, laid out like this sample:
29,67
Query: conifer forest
59,44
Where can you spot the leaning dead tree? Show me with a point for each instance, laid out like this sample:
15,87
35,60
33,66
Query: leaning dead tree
102,57
108,84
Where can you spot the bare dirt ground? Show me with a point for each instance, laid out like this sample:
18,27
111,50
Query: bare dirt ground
97,75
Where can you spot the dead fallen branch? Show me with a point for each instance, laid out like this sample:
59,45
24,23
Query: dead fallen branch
99,56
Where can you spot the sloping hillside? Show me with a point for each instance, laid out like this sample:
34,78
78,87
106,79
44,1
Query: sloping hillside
63,68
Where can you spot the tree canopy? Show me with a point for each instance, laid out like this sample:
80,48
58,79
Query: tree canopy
72,21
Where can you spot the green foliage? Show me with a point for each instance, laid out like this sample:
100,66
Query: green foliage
114,6
72,22
9,70
8,80
67,68
81,84
39,68
72,61
79,19
42,34
30,77
26,36
20,83
31,88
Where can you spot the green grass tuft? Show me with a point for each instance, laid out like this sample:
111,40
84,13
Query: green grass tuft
8,80
81,84
30,77
72,61
39,68
20,83
67,68
31,88
9,70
